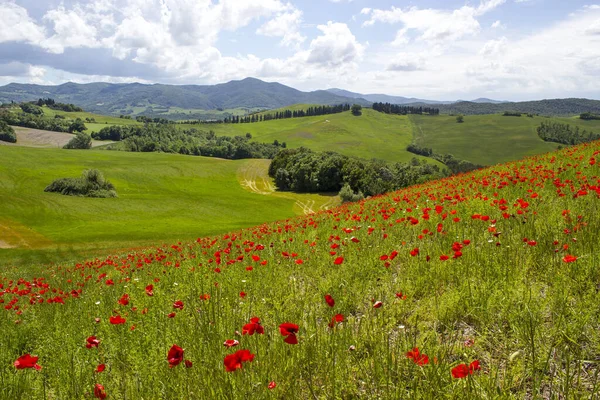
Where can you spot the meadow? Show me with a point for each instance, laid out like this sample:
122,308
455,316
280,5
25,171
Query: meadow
161,197
488,139
482,285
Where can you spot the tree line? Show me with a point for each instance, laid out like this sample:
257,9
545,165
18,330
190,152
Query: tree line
588,116
388,108
565,134
38,121
169,139
455,165
303,170
51,103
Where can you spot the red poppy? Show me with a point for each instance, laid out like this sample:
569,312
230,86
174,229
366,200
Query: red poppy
417,357
150,290
27,361
289,330
175,356
460,371
474,366
178,305
569,258
188,364
414,252
252,327
299,261
171,315
234,361
444,257
337,318
124,300
401,296
100,368
242,294
230,343
118,320
92,341
329,300
272,385
377,304
205,296
338,260
99,391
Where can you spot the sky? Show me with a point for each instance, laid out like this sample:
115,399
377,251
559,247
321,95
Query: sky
429,49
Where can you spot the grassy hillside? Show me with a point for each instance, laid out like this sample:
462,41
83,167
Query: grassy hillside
478,286
371,135
487,139
161,197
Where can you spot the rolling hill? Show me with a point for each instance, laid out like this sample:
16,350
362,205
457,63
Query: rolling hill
134,98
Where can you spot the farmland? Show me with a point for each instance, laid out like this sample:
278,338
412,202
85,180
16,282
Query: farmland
476,286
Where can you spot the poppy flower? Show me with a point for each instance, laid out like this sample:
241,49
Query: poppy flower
462,370
414,252
92,341
171,315
178,305
230,343
124,300
289,330
329,300
175,356
299,261
272,385
234,361
100,368
377,304
338,260
242,294
569,258
417,357
337,318
27,361
252,327
118,320
188,364
150,290
99,391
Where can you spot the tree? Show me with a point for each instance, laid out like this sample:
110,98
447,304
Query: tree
356,109
7,133
77,126
80,141
460,118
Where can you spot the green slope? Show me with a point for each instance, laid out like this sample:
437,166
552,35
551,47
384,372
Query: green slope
487,139
162,197
371,135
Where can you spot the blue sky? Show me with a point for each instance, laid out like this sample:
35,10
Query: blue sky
502,49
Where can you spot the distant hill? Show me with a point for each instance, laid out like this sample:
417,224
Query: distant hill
555,107
128,98
384,98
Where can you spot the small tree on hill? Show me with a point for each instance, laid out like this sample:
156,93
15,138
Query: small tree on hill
7,133
80,141
77,126
356,109
460,118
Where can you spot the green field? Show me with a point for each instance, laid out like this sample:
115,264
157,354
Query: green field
371,135
487,139
162,197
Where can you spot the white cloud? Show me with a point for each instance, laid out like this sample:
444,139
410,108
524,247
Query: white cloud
335,47
498,25
16,25
406,62
72,28
494,47
593,28
284,25
401,38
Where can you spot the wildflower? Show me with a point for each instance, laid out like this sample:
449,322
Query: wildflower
100,368
252,327
462,370
569,258
377,304
124,300
188,364
417,357
337,318
329,300
99,391
150,290
118,320
272,385
289,330
178,305
338,260
175,356
27,361
230,343
92,341
234,361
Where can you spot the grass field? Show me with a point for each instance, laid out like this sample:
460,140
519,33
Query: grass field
477,286
487,139
162,197
372,135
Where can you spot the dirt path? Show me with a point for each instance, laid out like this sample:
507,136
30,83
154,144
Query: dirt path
253,176
29,137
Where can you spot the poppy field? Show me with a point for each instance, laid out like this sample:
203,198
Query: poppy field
482,285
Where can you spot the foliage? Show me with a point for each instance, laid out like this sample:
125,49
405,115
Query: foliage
34,121
77,126
80,141
563,133
30,108
50,103
347,194
7,133
168,139
356,109
541,107
404,110
460,118
511,114
302,170
90,184
588,116
454,165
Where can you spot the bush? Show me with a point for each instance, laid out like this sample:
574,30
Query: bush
356,109
7,133
347,195
80,141
90,184
460,119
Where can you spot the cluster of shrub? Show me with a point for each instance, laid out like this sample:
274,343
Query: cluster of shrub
565,134
588,116
169,139
7,133
36,120
515,114
388,108
303,170
90,184
50,103
455,165
147,120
